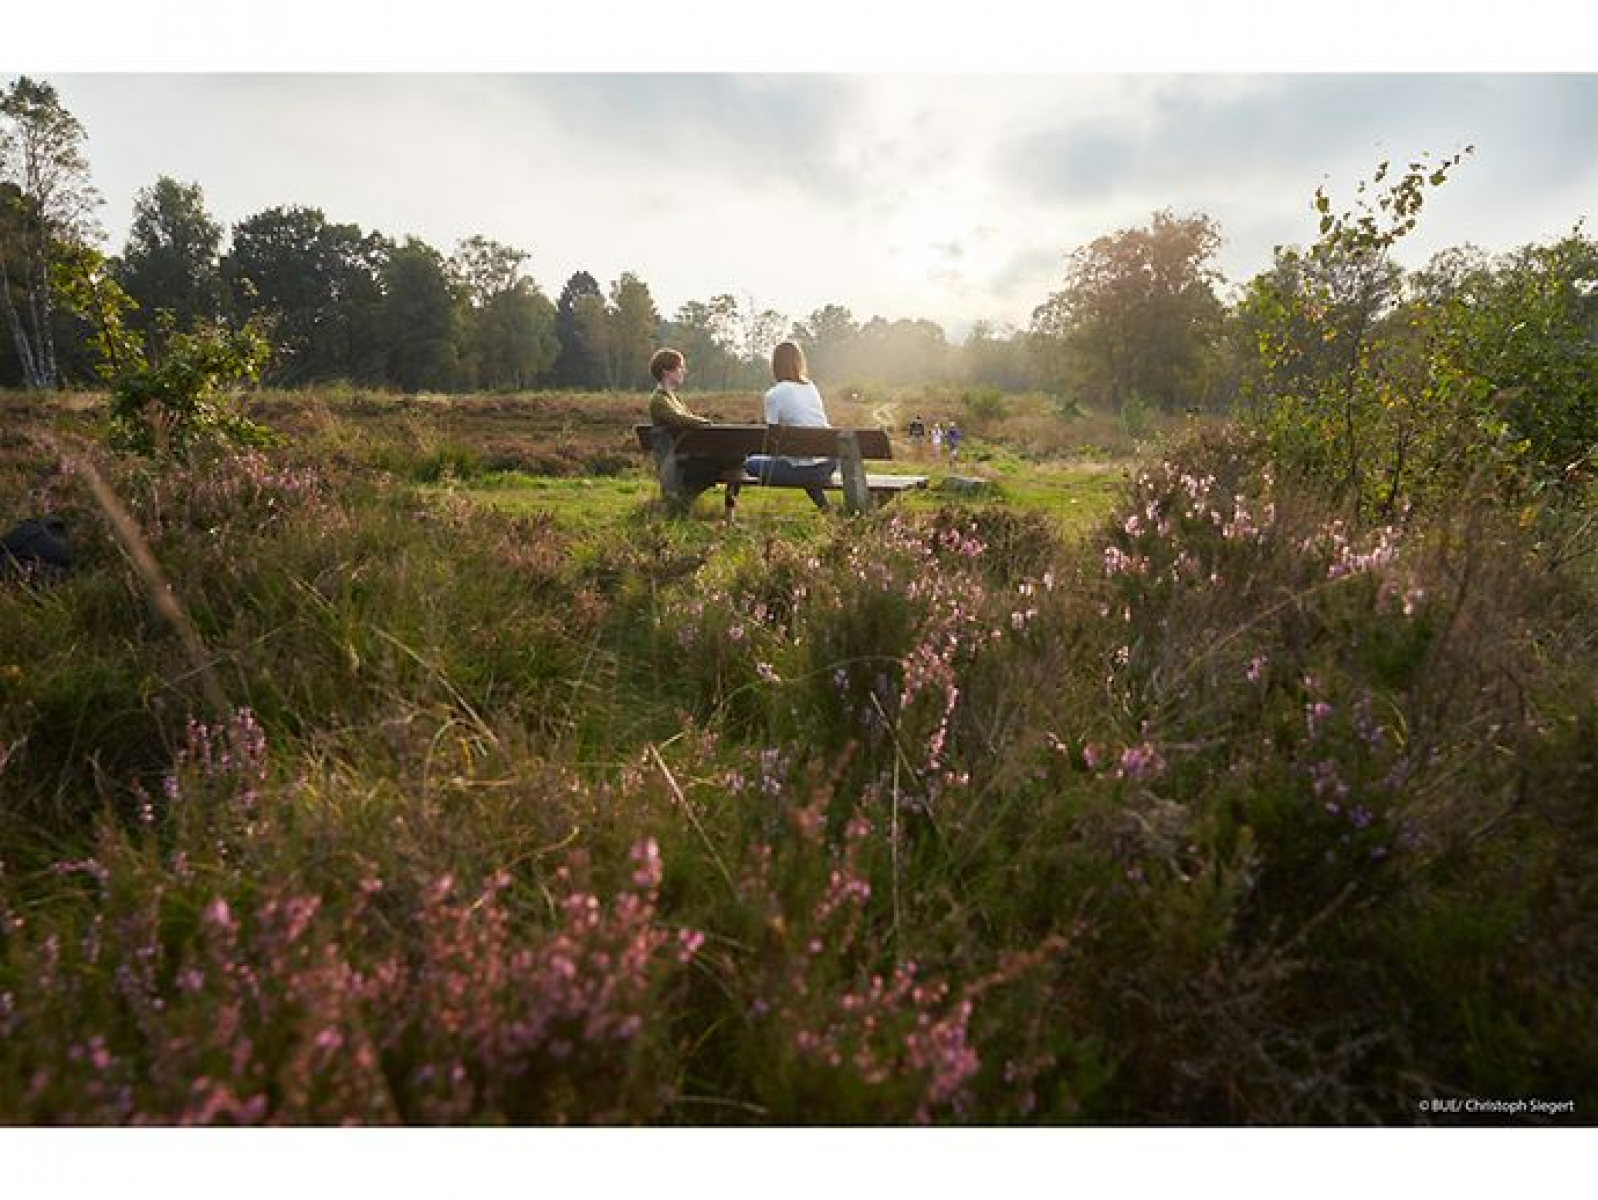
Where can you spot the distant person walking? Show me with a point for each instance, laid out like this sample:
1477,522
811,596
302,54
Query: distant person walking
937,438
917,430
793,400
951,438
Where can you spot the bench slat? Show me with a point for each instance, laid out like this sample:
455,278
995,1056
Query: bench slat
875,483
739,441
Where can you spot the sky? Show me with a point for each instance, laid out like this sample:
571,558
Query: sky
948,182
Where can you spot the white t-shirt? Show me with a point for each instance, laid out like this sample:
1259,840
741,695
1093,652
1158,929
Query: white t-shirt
790,403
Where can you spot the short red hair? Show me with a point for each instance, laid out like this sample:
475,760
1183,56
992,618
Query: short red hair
665,360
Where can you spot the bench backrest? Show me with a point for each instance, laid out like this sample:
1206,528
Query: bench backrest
738,441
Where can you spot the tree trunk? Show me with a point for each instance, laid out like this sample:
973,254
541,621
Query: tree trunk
40,302
14,322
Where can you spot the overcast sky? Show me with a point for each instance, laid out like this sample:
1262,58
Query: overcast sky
928,194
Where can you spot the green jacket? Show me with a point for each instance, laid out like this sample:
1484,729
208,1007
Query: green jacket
665,409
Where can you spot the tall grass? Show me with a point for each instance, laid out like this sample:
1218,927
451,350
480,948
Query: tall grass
1229,812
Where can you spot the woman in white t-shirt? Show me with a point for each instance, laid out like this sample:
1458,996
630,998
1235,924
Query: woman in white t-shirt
793,400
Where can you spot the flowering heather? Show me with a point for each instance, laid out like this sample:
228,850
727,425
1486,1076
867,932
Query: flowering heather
283,1009
230,489
1140,762
1237,810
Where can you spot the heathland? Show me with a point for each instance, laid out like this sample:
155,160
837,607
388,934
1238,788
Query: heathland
427,771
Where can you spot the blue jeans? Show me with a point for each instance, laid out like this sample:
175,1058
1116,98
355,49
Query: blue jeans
779,472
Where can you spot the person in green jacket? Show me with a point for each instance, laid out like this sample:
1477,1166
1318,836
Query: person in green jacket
669,368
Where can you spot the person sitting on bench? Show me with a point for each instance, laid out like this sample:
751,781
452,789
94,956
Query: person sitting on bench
670,368
793,400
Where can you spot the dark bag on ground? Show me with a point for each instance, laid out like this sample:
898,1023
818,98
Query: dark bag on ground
36,550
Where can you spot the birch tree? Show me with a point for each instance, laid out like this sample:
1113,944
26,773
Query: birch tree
49,204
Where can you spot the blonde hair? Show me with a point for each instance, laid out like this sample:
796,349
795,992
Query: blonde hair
788,363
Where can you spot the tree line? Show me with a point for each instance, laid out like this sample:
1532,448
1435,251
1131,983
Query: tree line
1142,319
343,303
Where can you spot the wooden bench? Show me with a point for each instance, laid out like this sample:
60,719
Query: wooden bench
691,461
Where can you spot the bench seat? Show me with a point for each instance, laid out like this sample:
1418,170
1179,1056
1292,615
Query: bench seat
693,460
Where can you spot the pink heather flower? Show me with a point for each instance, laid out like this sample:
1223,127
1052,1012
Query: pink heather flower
218,914
767,672
1324,779
646,860
1365,725
1118,562
99,1056
300,912
1316,715
91,867
1140,762
1256,668
1092,755
688,943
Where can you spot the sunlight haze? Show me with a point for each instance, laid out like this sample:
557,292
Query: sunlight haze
948,197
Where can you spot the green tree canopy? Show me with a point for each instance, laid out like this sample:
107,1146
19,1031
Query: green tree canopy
515,337
635,331
1526,326
483,268
580,363
828,335
417,320
591,337
694,331
318,282
509,324
1137,315
172,259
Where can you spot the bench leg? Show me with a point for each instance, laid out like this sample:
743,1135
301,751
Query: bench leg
857,496
673,489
